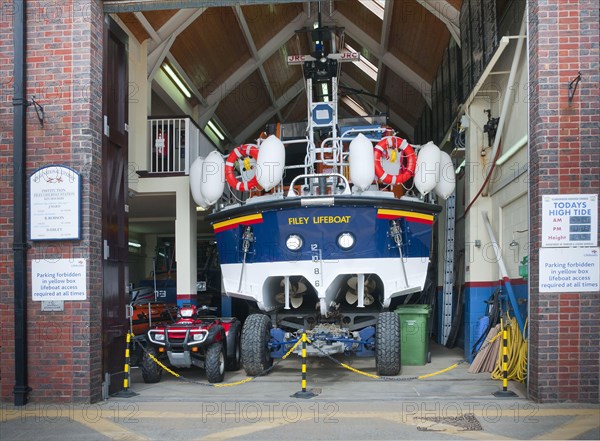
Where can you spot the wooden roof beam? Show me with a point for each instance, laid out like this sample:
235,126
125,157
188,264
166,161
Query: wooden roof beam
239,14
163,39
390,60
117,6
383,43
251,65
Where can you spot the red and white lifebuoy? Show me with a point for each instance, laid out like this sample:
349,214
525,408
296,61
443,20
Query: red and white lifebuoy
160,144
408,160
244,152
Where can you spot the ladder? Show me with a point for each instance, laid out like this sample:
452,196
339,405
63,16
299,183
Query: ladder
448,288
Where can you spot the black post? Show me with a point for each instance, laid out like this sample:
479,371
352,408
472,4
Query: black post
20,245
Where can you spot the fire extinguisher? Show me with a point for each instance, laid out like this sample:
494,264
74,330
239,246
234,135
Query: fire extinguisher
160,144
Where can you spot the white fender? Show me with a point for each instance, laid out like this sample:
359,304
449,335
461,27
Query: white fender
428,168
271,162
196,182
213,177
447,180
362,166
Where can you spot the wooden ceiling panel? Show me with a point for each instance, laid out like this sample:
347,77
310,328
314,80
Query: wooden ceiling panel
281,76
240,107
456,3
159,18
296,110
362,17
134,25
265,21
417,38
403,98
211,49
350,70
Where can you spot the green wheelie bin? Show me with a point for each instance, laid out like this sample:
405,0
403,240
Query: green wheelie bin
414,334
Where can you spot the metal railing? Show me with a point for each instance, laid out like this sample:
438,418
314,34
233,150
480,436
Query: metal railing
174,143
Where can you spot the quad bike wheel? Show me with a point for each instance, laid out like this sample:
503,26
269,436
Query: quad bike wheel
151,372
256,333
387,344
215,363
234,353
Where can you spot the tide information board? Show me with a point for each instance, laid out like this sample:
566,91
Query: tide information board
570,220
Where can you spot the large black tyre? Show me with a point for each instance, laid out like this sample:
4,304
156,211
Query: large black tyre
387,344
151,372
256,333
215,363
234,352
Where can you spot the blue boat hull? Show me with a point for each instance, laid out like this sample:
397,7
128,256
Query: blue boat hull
260,271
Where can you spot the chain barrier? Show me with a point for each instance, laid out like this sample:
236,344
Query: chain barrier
382,378
324,354
235,383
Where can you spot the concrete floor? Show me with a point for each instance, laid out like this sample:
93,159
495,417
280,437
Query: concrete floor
333,381
348,406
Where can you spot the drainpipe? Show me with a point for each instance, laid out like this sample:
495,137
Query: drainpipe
20,245
504,273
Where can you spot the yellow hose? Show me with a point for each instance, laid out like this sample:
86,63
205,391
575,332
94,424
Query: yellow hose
517,354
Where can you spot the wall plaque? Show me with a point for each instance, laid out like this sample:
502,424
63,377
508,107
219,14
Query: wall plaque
55,203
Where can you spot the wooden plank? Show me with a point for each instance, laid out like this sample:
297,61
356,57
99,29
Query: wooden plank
417,38
281,76
134,26
265,21
241,106
159,18
362,17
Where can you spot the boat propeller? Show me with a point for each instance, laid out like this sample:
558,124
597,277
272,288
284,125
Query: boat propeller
352,294
297,290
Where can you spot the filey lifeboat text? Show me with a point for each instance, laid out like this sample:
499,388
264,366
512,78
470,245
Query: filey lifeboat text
318,220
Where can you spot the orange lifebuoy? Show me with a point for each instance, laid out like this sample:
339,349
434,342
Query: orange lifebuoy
244,151
407,170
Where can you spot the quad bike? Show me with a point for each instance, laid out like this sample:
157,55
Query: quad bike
194,339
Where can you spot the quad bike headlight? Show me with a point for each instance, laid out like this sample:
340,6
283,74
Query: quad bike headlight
159,336
293,242
199,337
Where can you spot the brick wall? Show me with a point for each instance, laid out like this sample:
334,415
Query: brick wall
564,159
64,72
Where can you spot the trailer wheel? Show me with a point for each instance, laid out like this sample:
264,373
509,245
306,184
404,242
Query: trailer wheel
256,334
215,363
151,372
233,347
387,344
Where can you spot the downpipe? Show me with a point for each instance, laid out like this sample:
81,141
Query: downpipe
504,273
20,245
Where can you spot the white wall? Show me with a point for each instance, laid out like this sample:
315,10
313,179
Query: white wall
505,199
138,103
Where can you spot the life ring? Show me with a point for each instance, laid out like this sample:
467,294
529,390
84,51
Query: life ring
160,144
245,152
407,153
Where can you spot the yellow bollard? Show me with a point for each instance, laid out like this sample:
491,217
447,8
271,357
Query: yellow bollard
504,392
304,393
127,379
